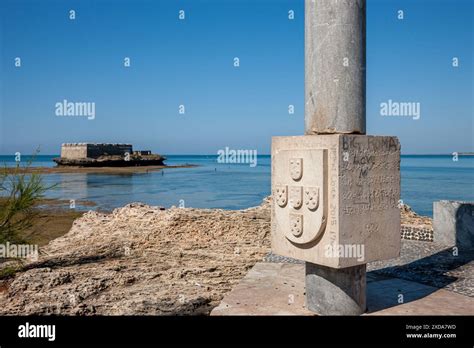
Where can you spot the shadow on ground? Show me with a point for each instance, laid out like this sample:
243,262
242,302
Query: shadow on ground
400,284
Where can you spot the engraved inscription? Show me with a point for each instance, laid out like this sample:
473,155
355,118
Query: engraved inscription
370,182
281,195
333,207
296,224
296,168
311,197
296,197
350,195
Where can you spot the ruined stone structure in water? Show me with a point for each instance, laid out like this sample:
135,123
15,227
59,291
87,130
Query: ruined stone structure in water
105,155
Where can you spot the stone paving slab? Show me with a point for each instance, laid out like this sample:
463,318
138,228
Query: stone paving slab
278,289
267,289
418,299
431,264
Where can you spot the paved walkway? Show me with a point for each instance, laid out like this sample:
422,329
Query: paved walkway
427,279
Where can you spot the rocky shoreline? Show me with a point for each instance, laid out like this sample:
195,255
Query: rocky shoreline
144,260
140,260
98,170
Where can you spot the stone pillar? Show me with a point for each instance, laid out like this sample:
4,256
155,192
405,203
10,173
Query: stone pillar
335,190
335,206
335,103
335,66
335,291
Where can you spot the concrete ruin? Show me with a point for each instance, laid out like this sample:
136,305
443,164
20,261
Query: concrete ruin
87,150
453,224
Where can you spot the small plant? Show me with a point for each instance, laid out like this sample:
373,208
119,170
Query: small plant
8,272
19,192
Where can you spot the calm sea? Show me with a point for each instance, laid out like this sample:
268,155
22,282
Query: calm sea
235,186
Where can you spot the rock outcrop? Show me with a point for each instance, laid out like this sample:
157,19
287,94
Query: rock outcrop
143,260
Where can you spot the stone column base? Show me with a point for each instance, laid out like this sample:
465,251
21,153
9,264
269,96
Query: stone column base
332,291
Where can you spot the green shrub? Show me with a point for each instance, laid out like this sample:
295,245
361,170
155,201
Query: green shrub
19,192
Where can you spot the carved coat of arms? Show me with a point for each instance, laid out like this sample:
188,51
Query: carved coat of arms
300,194
296,168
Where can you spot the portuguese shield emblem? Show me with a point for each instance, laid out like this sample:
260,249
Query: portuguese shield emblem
296,197
300,194
281,195
296,168
311,197
296,224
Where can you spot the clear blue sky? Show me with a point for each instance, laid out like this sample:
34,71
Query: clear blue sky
190,62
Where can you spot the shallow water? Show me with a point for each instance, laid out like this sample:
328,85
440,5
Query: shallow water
235,186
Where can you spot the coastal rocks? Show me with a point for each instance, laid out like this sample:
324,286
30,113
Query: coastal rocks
144,260
409,217
141,260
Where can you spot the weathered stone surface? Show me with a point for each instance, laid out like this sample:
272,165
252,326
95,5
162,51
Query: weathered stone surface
335,291
106,155
140,260
453,223
89,150
181,260
349,203
335,104
335,66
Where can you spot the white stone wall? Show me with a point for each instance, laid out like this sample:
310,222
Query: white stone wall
87,150
74,151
